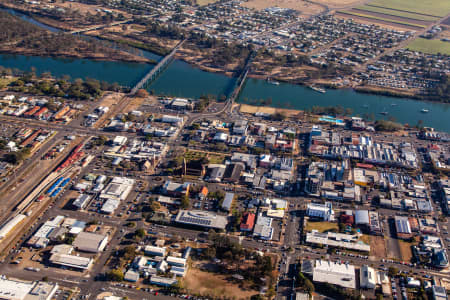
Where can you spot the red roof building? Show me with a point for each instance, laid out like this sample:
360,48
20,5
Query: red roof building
248,221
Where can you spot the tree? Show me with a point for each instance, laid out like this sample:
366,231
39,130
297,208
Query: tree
185,202
142,93
115,275
139,233
392,271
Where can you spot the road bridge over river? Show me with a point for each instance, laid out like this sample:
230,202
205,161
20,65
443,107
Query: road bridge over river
150,76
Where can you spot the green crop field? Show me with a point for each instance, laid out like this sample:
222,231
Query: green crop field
381,19
429,46
439,8
397,13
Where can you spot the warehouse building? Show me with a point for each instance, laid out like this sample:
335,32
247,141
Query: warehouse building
90,242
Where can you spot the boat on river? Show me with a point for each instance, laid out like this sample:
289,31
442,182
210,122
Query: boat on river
317,89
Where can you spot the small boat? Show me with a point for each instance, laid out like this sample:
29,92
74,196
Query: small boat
424,110
393,104
384,112
365,106
272,81
317,89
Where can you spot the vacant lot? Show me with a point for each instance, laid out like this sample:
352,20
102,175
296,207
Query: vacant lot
205,2
438,8
321,226
214,285
429,46
251,109
301,6
214,158
377,246
405,249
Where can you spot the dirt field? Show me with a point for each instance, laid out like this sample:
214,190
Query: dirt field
85,8
250,109
335,4
377,246
405,249
205,283
301,6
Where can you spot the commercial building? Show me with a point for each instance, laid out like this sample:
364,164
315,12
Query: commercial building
155,251
439,293
227,201
367,277
335,273
162,281
71,261
116,191
338,240
263,228
14,289
320,211
201,218
81,201
90,242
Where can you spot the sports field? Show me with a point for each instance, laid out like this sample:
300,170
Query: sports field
429,46
438,8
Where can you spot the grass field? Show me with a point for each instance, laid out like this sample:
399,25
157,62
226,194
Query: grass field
429,46
439,8
397,13
381,19
214,158
5,81
321,226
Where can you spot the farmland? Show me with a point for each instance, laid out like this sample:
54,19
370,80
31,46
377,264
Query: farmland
437,8
430,46
385,20
397,13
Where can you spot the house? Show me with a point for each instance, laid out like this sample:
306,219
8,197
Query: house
248,221
203,193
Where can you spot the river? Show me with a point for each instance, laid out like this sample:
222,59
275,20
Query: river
184,80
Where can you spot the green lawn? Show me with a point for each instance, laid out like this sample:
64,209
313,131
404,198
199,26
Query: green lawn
429,46
439,8
320,226
353,13
397,13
